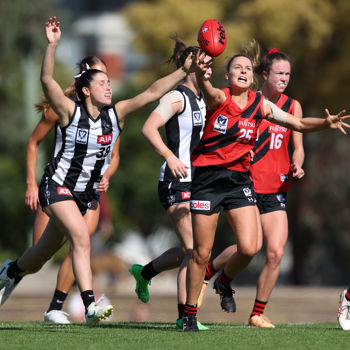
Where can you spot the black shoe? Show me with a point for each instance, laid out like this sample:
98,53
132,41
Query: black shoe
189,324
227,302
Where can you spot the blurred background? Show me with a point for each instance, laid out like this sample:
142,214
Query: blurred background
133,38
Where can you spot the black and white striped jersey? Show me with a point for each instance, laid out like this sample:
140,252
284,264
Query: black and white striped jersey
83,150
58,139
58,132
183,132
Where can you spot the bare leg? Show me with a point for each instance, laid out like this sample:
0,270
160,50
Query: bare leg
181,217
65,277
204,227
36,256
245,224
40,223
67,219
275,229
220,261
169,260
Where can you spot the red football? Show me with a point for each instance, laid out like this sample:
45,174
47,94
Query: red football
212,37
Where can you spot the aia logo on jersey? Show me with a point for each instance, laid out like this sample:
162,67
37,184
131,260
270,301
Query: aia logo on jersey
220,124
197,118
186,195
64,191
82,136
200,205
104,139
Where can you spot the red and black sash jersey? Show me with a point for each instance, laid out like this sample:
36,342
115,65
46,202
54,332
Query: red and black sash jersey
270,167
229,133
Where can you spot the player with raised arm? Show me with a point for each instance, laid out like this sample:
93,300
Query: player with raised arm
90,128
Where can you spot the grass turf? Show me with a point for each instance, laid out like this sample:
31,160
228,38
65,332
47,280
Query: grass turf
162,336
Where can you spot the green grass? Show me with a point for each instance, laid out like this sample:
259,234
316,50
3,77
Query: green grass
163,336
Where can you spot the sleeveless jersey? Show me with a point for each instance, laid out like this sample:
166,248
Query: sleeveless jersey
58,132
229,133
85,149
183,132
271,164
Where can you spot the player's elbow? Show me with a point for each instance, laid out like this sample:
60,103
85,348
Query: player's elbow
145,131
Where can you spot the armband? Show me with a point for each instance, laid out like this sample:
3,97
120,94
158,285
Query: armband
277,113
165,108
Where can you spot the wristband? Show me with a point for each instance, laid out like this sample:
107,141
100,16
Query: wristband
167,154
173,156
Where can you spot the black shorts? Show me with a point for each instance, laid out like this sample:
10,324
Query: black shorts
51,192
172,193
270,202
214,187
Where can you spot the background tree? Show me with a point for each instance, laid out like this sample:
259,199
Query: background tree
312,32
21,38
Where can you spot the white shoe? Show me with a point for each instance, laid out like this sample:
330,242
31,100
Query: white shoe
7,284
56,316
3,273
96,313
344,312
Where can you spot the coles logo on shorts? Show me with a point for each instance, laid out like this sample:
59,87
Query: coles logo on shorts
220,124
186,195
104,139
64,191
200,205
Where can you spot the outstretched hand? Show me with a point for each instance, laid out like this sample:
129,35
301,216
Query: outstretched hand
203,64
337,121
53,31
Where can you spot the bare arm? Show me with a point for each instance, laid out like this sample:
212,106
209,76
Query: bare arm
277,116
298,148
169,105
213,97
115,158
47,122
128,108
61,104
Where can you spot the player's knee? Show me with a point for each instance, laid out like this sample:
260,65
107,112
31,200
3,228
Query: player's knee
274,257
201,256
81,242
249,251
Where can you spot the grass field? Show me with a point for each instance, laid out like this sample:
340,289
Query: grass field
133,335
